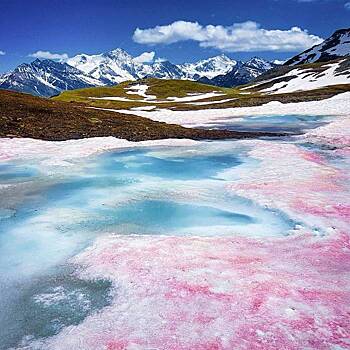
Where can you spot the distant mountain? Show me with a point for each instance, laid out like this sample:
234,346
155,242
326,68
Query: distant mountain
110,68
336,46
46,78
163,70
241,73
117,65
208,68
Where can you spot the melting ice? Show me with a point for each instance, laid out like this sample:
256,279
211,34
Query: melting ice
48,214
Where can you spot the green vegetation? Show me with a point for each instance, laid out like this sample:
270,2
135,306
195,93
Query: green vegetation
160,88
243,96
163,88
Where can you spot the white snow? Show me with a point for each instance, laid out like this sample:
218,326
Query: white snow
54,152
337,105
141,90
143,108
209,68
116,66
341,49
195,97
307,79
211,102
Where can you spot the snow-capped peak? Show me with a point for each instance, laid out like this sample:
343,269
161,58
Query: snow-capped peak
111,67
336,46
208,68
259,63
46,78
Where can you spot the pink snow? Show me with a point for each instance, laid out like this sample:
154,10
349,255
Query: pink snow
225,293
217,293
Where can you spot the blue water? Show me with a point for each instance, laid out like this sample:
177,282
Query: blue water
151,191
274,123
10,173
138,162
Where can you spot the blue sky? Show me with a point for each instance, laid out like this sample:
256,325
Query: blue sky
241,29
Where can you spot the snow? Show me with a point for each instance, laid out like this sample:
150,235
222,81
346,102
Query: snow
143,108
209,68
308,80
195,97
115,66
56,151
340,49
141,90
336,105
212,102
234,292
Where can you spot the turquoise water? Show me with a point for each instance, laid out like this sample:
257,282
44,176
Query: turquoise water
274,123
46,218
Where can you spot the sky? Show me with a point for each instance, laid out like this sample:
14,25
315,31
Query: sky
181,31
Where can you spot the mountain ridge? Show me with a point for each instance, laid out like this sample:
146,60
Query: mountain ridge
47,77
335,46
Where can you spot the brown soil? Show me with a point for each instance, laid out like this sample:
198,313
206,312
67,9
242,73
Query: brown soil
23,115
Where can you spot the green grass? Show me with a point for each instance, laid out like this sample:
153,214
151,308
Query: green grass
176,88
162,89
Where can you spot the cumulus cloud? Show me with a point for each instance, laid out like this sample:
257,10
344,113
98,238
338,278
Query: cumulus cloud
49,55
347,5
240,37
145,57
2,53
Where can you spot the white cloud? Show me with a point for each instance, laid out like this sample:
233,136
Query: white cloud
2,53
240,37
347,5
145,57
49,55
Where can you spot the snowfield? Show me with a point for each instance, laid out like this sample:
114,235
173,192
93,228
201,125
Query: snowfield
307,79
337,105
227,292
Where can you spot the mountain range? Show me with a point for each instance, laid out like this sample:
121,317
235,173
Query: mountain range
48,78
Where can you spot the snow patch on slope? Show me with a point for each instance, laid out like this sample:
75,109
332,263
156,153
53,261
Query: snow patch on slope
336,105
308,79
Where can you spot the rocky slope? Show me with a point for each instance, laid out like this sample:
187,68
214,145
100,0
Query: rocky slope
306,77
336,46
